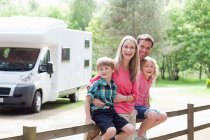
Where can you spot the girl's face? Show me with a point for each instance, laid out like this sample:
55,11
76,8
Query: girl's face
148,69
128,50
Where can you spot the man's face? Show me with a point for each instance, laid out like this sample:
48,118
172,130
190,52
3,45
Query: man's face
145,48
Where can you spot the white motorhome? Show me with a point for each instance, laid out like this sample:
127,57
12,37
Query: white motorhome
41,60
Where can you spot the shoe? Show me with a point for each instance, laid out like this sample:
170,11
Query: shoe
144,137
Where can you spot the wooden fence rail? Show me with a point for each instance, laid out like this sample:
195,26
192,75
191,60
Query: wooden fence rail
29,133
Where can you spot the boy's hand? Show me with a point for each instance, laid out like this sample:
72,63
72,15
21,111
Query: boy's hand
98,103
89,121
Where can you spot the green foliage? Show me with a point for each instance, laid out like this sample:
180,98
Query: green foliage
81,13
208,83
101,41
123,17
190,35
55,13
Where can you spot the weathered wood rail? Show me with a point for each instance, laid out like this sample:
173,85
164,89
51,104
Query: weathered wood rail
29,133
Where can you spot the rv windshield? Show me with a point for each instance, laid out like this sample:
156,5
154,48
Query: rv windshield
17,59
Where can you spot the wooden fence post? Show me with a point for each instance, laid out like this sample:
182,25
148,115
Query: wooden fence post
190,122
29,133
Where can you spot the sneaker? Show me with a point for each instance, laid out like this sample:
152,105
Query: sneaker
144,137
137,138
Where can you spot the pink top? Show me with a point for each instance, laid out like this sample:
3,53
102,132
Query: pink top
124,87
144,86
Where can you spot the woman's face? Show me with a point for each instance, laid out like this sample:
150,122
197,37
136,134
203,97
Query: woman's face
128,50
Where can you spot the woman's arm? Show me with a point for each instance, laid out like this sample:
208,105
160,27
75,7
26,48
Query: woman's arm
123,98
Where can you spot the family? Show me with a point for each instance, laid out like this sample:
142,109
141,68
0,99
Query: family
119,94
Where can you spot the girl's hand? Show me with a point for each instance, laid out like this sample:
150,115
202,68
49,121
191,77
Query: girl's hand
98,103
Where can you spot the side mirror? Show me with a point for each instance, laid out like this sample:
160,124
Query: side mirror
49,67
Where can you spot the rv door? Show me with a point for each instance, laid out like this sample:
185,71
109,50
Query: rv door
45,75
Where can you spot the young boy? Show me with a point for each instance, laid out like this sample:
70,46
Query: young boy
111,124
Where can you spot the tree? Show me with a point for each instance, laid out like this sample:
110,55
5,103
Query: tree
81,12
123,17
190,30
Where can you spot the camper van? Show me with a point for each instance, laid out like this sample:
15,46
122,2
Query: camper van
41,60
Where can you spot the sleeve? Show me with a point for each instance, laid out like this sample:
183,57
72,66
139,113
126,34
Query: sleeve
135,90
92,80
92,90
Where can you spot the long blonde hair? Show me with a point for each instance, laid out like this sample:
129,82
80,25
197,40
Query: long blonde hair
134,62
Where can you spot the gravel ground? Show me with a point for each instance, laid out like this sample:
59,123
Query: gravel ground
49,119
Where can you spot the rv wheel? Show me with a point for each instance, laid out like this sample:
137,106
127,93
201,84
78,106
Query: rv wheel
74,97
37,102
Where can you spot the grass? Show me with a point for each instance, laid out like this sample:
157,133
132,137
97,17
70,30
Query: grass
62,104
181,82
186,86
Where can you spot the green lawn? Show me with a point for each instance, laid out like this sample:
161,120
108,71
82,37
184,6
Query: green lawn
195,87
181,82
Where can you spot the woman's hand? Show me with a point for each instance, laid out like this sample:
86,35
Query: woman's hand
98,103
120,98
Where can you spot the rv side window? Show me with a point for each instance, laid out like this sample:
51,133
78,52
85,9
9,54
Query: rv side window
86,63
87,43
65,54
44,61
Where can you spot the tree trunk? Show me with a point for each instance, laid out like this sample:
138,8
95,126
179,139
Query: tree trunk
200,71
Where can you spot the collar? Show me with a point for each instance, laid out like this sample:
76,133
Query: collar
104,82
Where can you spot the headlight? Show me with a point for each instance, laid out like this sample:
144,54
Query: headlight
26,77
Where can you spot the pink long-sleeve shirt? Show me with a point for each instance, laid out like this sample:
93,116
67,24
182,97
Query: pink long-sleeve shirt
125,87
143,88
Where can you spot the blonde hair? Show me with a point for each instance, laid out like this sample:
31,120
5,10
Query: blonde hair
105,61
134,62
150,59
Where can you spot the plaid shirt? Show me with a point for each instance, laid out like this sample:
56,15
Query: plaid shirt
100,89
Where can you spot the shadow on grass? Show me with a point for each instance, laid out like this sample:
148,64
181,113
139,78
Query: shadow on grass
60,104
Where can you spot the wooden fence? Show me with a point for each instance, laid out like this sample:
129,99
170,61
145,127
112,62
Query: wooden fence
29,133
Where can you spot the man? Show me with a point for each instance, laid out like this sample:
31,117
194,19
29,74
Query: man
151,117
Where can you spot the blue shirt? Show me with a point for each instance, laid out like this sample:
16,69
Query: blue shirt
100,89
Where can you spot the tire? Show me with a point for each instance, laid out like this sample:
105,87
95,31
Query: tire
37,103
74,97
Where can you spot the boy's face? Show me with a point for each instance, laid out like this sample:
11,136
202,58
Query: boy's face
105,72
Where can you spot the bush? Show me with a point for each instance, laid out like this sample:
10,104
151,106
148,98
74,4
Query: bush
208,83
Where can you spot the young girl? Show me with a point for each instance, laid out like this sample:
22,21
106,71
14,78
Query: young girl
151,117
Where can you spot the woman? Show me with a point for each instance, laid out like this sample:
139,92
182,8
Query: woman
126,70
